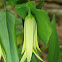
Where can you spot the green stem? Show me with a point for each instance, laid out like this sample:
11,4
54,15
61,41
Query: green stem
5,5
29,11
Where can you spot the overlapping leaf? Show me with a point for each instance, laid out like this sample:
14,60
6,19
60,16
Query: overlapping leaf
7,35
53,54
12,35
42,19
4,35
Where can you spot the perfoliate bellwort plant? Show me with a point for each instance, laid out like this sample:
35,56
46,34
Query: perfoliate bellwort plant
36,22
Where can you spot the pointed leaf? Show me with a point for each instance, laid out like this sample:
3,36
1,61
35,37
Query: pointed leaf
53,54
4,35
8,36
12,35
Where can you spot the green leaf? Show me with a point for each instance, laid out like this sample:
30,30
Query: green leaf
4,35
42,19
12,35
21,10
39,6
53,53
8,36
43,25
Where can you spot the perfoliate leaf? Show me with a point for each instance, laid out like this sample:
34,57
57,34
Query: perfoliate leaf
8,36
53,54
21,10
4,35
12,35
42,19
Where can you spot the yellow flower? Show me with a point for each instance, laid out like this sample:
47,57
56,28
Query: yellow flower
30,39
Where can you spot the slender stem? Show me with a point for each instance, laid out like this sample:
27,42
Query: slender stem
5,5
29,11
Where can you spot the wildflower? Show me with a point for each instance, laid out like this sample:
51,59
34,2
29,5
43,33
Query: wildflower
30,39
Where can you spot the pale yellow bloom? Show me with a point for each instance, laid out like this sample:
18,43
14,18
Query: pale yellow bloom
30,44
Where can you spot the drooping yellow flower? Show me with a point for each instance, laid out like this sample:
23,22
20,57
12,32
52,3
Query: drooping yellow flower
30,39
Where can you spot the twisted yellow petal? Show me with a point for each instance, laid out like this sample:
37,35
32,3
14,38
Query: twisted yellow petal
24,44
37,55
36,41
24,57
